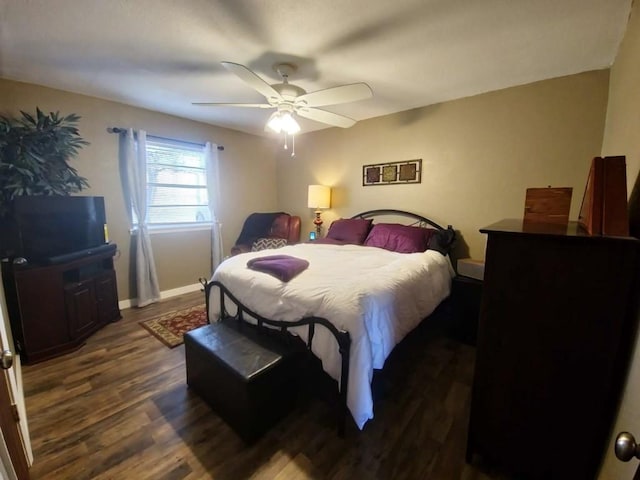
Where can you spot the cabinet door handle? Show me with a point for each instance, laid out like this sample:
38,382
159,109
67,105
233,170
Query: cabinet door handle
626,447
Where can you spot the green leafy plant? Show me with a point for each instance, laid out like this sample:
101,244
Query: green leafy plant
35,154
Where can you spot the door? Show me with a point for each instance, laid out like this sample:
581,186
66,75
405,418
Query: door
13,424
11,433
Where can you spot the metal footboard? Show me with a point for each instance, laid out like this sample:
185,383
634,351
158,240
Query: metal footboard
342,337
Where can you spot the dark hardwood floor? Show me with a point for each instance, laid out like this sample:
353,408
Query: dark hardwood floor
119,408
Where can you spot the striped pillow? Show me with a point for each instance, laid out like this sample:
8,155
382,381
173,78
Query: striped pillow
265,243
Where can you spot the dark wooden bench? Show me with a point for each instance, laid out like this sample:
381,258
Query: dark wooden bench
250,383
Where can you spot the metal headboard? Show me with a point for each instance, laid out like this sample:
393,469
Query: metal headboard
418,220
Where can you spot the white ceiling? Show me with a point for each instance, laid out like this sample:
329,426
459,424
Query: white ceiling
164,54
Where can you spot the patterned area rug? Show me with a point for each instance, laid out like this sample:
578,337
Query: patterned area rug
170,327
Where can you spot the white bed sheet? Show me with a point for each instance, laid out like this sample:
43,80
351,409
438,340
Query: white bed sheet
376,295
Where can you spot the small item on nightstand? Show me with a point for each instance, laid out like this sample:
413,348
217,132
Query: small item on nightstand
468,267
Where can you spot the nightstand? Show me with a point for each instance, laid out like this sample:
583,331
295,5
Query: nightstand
466,295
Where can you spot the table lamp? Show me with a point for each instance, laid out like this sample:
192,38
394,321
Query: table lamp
319,197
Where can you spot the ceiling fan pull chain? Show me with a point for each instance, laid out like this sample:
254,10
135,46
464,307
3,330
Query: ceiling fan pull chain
285,141
293,145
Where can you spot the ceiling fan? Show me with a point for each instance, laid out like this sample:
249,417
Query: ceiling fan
289,99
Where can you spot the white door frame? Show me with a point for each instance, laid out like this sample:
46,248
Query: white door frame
16,390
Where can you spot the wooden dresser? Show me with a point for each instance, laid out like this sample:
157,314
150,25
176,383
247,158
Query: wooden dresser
557,322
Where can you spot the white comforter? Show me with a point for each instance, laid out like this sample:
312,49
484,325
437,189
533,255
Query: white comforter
376,295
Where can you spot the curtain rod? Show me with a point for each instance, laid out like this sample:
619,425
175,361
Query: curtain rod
123,130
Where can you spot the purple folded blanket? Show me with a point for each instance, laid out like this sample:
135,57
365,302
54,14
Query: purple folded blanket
283,267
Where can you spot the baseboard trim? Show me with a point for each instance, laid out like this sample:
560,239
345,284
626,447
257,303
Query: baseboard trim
174,292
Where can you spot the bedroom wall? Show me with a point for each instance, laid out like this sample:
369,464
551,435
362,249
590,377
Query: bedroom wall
479,155
623,118
622,137
247,168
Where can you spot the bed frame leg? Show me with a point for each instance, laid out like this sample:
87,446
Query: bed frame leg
206,288
345,347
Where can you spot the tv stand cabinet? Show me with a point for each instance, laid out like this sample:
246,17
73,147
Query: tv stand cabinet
54,308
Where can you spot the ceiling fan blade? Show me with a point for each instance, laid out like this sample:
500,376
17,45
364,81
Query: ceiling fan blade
253,80
336,95
249,105
326,117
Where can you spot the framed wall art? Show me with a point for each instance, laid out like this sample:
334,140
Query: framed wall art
392,173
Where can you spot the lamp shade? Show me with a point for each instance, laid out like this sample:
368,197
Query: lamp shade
319,196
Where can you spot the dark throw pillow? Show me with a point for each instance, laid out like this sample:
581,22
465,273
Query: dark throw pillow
442,240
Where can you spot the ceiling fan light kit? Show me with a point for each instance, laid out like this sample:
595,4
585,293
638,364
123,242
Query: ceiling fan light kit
283,122
290,100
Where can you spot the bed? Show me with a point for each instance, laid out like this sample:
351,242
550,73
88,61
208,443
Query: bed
359,296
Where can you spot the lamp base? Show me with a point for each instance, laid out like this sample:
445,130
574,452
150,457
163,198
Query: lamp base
318,223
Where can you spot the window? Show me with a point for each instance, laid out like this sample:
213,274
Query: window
176,183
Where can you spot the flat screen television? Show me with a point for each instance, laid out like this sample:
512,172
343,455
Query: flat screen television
50,229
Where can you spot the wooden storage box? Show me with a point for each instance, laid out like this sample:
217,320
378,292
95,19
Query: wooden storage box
547,205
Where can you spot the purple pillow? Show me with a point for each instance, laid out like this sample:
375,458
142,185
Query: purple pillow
399,238
349,230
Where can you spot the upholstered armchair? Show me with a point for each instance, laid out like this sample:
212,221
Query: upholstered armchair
267,230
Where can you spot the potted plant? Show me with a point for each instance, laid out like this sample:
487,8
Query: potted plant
34,160
34,156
